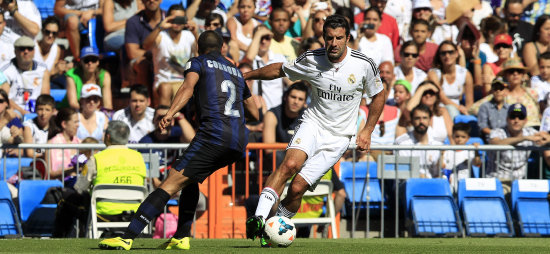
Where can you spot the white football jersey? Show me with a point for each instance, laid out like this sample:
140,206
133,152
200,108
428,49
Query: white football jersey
337,88
24,81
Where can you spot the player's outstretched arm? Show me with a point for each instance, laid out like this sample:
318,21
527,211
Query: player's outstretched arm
267,72
251,110
375,109
182,97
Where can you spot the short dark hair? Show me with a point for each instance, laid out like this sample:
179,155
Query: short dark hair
415,22
545,56
45,99
335,21
508,2
174,7
209,41
306,43
278,9
375,9
51,20
300,86
406,45
423,108
462,127
140,89
213,16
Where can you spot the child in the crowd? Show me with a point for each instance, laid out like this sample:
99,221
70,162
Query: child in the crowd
541,82
460,160
78,161
36,130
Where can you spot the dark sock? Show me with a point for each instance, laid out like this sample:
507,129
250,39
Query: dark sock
187,206
151,207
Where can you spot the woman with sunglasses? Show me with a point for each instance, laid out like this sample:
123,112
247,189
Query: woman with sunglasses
241,26
115,14
441,125
375,45
539,45
92,121
406,69
454,81
46,50
503,48
87,72
314,25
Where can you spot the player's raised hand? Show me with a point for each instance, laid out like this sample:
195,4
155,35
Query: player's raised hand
363,140
165,122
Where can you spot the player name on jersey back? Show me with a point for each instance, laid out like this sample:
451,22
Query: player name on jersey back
231,70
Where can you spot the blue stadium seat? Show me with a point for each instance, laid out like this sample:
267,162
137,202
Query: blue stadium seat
484,210
472,121
95,34
530,207
9,221
45,7
12,166
37,219
375,193
422,196
165,5
58,94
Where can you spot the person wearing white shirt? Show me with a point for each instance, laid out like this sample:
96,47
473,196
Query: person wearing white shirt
338,76
374,45
27,22
6,46
406,69
138,115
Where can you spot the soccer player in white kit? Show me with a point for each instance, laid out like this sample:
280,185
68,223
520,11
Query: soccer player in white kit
339,76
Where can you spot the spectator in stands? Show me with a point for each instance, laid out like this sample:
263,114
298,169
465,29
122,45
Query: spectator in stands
172,45
314,25
540,44
230,49
426,50
388,25
75,16
460,161
438,29
46,50
199,10
6,47
280,121
92,121
502,45
117,164
255,128
406,70
310,43
64,132
36,130
512,164
402,12
388,77
242,26
138,115
429,159
541,82
297,16
281,43
441,124
375,45
182,133
401,94
259,55
11,128
492,114
26,23
115,15
88,72
213,22
454,80
490,28
521,31
514,72
26,79
137,29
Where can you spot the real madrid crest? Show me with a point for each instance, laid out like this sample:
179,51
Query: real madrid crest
298,140
351,79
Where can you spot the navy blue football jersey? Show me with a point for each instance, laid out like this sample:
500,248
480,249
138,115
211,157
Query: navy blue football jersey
219,96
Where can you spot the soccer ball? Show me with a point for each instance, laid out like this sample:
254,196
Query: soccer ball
280,231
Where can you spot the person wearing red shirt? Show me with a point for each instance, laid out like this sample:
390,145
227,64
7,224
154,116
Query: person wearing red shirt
389,24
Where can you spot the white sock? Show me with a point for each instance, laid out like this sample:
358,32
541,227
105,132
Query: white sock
268,197
282,211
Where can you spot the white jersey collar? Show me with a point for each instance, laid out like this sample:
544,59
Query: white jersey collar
338,65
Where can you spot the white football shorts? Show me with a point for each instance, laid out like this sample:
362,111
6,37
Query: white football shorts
323,149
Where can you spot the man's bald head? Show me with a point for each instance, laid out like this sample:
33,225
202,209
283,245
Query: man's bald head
209,41
386,72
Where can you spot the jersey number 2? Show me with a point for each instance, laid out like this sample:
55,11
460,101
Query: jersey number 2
229,87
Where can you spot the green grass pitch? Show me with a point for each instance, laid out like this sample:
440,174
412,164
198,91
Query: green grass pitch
324,246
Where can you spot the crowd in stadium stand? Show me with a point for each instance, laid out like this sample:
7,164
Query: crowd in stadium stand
458,58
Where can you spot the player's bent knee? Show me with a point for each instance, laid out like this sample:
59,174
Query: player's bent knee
289,167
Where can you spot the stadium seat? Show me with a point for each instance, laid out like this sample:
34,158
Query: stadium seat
9,220
45,7
530,207
37,219
95,34
484,210
470,120
373,191
58,94
422,196
324,188
113,193
12,166
165,5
